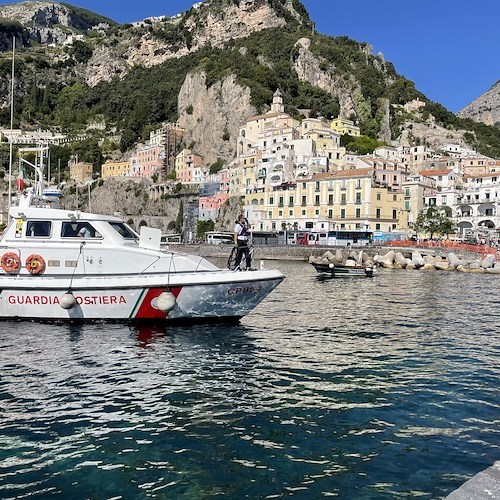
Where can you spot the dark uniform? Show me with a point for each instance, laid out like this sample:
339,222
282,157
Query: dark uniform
241,240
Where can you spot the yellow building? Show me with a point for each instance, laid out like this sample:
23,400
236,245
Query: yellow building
186,165
80,171
345,199
344,126
115,169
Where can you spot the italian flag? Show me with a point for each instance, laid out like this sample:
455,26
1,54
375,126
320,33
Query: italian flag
20,179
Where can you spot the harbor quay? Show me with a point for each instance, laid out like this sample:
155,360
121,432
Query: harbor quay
394,257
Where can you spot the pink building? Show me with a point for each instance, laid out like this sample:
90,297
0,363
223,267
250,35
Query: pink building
209,206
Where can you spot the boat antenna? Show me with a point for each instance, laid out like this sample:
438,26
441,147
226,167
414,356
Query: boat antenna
11,137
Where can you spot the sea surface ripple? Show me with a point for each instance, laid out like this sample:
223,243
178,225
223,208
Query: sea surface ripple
356,388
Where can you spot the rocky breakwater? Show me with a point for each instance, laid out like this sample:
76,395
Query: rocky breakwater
352,257
450,262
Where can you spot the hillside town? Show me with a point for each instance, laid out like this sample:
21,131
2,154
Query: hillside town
295,175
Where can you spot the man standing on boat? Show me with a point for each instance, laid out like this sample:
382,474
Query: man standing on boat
241,242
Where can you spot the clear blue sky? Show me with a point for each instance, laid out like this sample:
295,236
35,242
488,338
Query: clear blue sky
449,48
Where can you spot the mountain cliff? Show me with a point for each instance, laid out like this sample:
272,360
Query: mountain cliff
209,68
486,108
48,22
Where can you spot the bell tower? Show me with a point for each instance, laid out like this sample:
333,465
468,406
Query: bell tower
277,106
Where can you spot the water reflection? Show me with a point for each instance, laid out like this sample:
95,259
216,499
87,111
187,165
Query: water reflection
147,335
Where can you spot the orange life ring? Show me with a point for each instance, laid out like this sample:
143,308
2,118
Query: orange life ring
35,264
10,262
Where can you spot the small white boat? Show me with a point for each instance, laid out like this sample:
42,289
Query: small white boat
66,265
52,192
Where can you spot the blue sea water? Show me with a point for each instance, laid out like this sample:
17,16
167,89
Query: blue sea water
355,388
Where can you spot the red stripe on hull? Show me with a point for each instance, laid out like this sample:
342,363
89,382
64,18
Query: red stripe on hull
147,309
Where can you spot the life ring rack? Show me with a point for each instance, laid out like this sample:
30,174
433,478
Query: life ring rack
35,264
10,262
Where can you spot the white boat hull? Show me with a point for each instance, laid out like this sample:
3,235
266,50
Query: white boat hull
222,296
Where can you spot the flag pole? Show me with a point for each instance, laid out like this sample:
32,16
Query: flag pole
11,138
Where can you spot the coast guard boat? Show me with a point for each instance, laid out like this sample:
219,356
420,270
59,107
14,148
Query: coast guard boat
66,265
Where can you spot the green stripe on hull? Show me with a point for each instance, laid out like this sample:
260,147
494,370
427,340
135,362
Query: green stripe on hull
137,304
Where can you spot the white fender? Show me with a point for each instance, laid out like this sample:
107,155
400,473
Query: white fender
67,301
165,302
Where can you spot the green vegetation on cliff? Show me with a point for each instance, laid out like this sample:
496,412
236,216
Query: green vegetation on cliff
146,97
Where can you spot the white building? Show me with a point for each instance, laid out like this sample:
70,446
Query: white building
478,205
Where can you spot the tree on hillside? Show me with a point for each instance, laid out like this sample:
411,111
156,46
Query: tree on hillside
179,221
435,220
202,226
361,145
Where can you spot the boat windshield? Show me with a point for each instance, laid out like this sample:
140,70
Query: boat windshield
124,231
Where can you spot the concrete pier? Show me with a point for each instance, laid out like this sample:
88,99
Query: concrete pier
483,486
300,252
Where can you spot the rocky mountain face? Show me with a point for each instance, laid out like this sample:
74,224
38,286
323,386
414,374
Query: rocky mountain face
217,110
348,91
51,23
213,23
486,108
119,75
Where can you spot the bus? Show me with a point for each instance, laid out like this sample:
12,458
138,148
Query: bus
347,238
219,237
339,237
269,238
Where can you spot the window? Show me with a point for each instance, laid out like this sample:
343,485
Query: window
316,200
39,229
358,213
122,229
343,199
330,199
271,200
290,201
377,214
358,198
304,201
342,213
379,197
330,214
394,214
